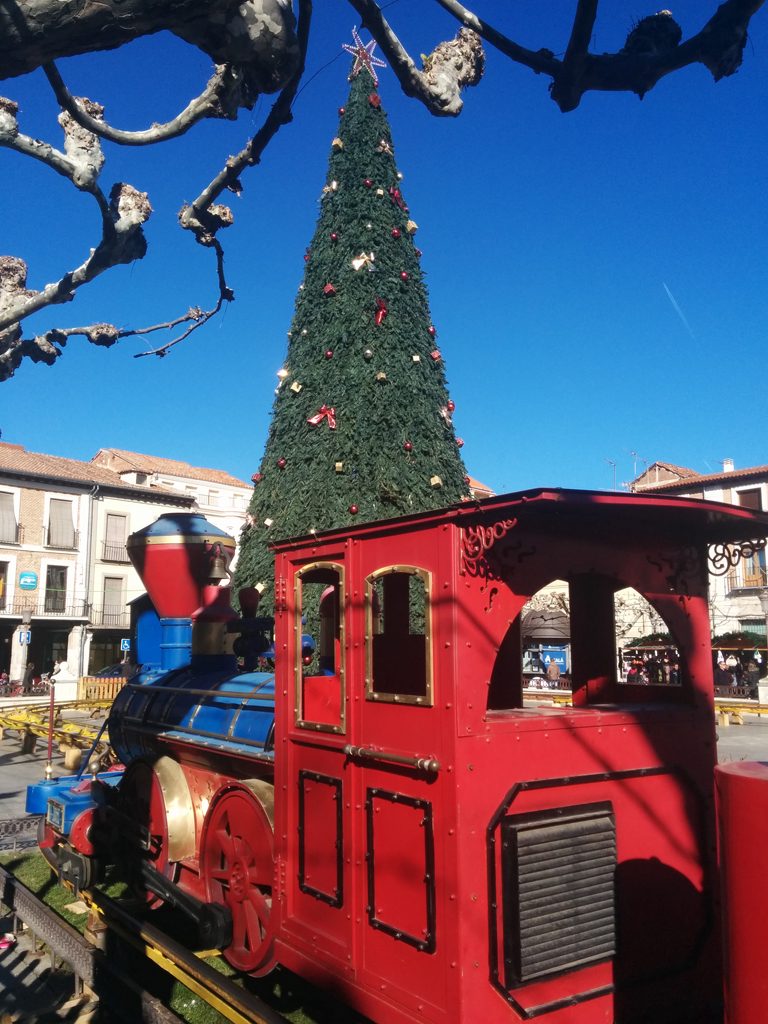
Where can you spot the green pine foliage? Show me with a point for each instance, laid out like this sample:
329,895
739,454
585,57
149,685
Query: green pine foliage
385,382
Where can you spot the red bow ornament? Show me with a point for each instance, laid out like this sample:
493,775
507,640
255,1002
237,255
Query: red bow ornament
324,412
381,311
396,197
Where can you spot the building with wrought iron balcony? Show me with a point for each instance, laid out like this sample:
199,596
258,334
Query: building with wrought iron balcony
738,578
65,578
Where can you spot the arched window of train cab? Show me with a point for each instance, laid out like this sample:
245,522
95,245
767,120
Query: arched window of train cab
646,652
535,653
319,641
398,635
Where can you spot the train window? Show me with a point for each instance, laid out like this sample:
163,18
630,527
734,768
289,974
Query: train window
398,636
319,635
651,658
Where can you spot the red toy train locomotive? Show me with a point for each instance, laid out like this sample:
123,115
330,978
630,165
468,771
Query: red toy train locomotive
412,835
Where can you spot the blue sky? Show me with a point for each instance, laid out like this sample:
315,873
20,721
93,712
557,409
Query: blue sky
598,279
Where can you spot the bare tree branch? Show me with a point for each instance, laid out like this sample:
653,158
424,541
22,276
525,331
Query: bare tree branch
255,36
645,59
449,68
222,97
201,216
541,61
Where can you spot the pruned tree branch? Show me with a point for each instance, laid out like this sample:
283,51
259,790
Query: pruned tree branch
449,68
652,50
222,97
122,237
255,36
203,217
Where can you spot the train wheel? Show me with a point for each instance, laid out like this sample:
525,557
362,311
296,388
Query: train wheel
142,800
237,865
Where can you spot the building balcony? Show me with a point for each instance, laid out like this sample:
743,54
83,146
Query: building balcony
114,553
69,542
49,605
116,618
746,582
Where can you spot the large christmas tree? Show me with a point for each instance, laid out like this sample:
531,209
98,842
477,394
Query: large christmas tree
361,426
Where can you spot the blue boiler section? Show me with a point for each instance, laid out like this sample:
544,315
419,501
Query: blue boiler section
214,711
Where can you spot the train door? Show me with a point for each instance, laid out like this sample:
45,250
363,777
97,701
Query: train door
395,754
317,914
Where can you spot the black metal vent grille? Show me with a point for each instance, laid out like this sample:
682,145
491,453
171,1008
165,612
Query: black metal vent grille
558,890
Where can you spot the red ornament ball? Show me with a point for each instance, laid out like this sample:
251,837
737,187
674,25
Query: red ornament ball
432,330
353,510
306,256
450,405
329,353
257,478
396,232
307,659
334,236
407,446
467,480
342,110
459,442
368,182
282,463
404,275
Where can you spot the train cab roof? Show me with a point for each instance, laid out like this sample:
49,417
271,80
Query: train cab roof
701,521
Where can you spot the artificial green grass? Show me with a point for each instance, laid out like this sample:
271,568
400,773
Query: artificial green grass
283,991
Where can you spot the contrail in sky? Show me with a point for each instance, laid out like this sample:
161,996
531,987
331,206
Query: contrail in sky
679,311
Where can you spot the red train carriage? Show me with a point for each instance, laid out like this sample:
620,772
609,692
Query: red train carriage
410,834
445,853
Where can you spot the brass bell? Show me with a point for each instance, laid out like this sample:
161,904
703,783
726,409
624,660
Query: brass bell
218,570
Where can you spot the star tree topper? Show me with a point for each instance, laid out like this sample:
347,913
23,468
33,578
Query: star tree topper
363,54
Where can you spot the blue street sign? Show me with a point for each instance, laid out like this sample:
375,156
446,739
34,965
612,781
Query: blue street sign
25,637
125,645
557,654
28,581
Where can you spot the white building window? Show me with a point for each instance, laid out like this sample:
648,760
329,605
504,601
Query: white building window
114,601
56,588
9,527
61,525
114,542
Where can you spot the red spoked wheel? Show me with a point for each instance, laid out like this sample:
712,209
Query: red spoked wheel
237,867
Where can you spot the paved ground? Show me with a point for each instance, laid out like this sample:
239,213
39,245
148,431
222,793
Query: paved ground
18,770
748,742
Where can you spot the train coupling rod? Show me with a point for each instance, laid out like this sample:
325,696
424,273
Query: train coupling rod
213,921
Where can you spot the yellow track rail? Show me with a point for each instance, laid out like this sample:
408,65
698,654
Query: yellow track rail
32,719
217,990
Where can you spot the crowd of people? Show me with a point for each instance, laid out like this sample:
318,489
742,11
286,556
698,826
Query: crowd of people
652,670
731,673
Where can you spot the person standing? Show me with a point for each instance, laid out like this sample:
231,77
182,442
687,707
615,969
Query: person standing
29,675
553,674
